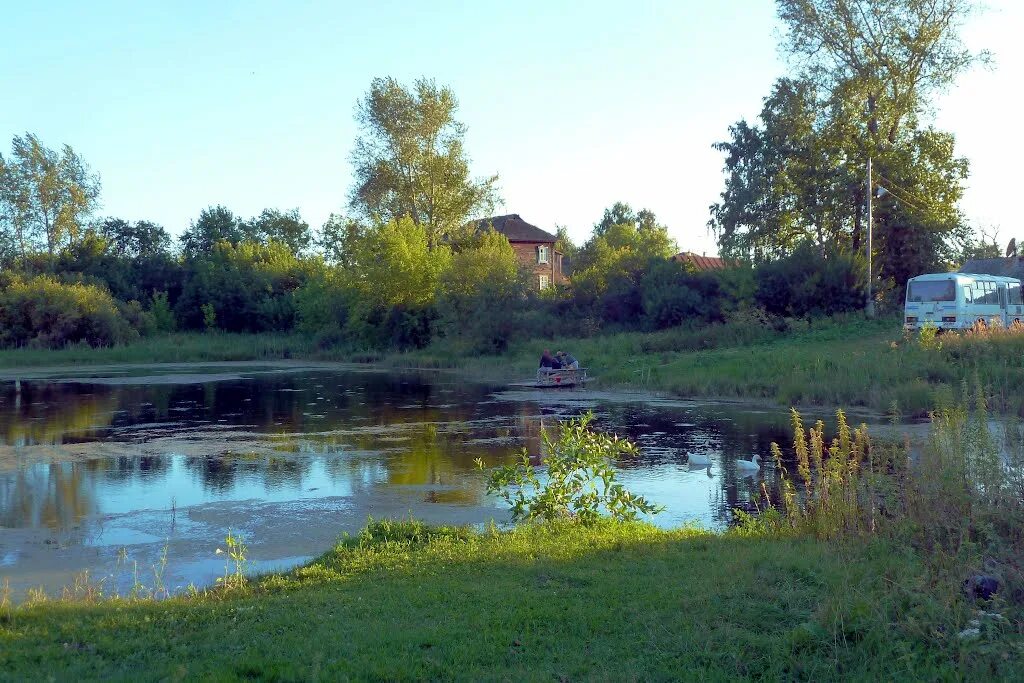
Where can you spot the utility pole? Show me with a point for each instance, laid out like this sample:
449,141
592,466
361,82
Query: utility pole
869,306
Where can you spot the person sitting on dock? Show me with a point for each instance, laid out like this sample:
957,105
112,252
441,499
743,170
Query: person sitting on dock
549,362
567,360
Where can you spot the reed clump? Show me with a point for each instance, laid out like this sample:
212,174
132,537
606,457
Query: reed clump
958,498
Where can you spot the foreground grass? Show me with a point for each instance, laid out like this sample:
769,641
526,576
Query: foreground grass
618,602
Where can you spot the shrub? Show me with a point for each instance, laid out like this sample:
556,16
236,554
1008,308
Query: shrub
808,283
673,295
580,479
43,312
163,316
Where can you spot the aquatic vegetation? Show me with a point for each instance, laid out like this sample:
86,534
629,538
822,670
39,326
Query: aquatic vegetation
579,478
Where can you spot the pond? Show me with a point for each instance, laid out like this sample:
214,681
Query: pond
110,470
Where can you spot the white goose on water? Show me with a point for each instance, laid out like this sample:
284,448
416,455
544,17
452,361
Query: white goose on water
701,459
749,465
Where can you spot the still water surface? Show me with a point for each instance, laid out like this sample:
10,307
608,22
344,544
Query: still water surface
107,472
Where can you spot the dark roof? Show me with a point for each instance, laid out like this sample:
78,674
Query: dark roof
516,229
1009,267
702,262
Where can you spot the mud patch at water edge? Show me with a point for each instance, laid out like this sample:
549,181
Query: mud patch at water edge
127,550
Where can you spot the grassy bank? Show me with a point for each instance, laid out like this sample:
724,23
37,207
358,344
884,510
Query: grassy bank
181,347
615,602
847,361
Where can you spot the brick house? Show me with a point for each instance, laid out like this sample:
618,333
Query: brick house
534,248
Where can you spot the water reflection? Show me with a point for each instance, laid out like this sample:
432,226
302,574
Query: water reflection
283,436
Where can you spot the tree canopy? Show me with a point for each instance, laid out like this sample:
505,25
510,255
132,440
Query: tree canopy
410,161
46,196
864,75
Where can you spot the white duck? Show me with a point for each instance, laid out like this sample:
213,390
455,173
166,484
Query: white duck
751,465
701,459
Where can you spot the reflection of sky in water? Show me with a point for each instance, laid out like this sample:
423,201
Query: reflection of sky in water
280,437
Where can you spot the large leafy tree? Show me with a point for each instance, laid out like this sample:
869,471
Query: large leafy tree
787,179
339,240
215,224
890,55
284,227
866,73
618,253
396,267
46,196
134,240
410,161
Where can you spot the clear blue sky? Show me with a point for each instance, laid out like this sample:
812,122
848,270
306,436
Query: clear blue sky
575,105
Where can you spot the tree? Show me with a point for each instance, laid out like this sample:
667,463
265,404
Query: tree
46,195
787,180
564,243
409,160
866,73
891,55
339,240
621,250
396,266
920,227
248,286
215,224
285,227
134,240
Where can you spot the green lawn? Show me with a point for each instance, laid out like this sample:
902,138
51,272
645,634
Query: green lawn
619,602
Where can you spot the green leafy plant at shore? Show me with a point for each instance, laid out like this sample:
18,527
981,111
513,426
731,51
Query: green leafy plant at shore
235,561
579,482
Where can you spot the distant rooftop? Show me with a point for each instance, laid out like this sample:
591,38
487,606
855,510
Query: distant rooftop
1012,266
515,229
701,262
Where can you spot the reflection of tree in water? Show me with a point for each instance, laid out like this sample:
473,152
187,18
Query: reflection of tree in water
126,468
53,414
221,473
57,496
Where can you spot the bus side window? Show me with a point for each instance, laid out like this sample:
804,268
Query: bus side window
1014,294
968,294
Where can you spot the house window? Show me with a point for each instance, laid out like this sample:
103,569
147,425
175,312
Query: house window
544,282
542,254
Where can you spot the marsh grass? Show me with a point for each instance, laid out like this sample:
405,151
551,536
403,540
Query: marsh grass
957,502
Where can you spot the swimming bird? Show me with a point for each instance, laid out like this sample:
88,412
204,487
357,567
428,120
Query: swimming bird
749,465
698,459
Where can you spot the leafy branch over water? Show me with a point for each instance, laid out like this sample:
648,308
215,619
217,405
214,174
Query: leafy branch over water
580,481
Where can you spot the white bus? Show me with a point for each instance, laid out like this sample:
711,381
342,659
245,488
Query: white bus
955,301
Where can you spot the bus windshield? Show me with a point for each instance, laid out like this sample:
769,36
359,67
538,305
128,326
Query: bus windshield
932,290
